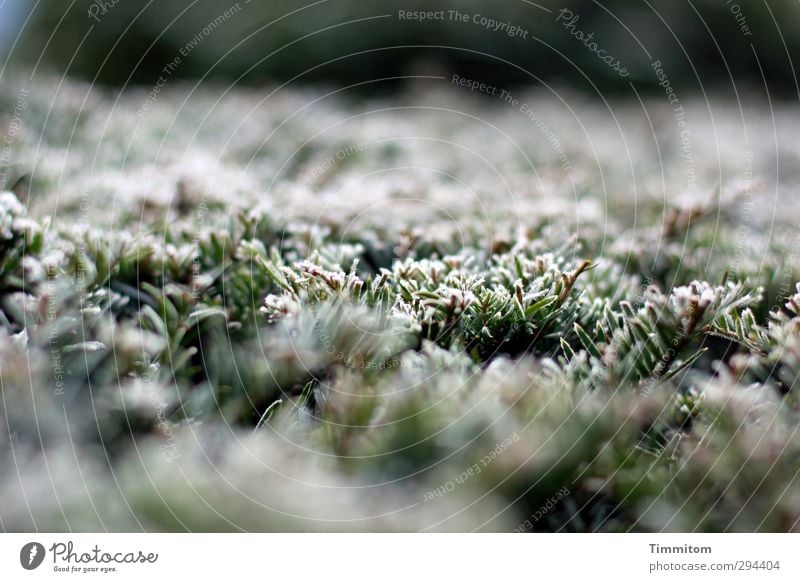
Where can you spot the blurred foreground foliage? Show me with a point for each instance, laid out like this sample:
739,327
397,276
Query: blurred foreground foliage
214,364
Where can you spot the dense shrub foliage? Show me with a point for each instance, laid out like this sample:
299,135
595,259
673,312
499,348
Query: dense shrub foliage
259,325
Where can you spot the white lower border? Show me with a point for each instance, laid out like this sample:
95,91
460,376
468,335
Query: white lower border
401,557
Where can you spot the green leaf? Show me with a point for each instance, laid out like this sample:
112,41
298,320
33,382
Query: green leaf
202,314
531,310
275,273
587,342
685,365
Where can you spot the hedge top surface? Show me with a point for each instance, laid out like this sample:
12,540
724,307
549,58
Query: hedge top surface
430,312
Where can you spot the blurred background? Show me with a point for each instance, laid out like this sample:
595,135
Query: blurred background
702,44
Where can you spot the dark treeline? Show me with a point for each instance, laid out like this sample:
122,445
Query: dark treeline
708,42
